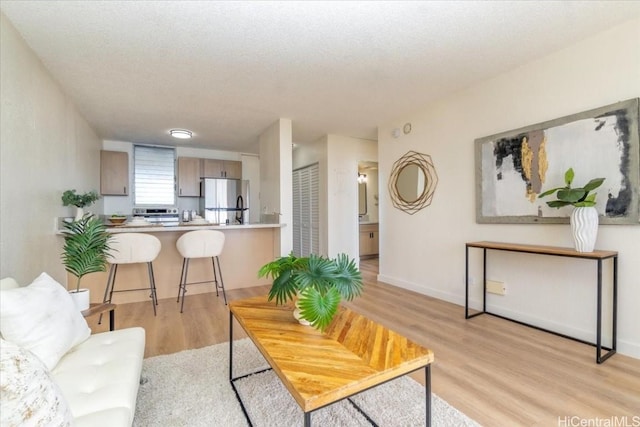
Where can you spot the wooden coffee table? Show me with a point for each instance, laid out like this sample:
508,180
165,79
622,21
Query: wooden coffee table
352,355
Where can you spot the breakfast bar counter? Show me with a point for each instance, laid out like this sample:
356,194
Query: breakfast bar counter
247,247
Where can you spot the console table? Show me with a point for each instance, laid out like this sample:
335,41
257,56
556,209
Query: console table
598,256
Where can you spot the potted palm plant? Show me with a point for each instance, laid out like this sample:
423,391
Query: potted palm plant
318,284
86,247
70,198
584,217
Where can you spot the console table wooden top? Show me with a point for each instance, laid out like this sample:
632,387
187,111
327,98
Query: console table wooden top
543,250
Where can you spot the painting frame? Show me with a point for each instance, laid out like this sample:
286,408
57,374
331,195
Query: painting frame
494,205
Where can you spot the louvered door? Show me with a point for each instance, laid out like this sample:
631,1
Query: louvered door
306,213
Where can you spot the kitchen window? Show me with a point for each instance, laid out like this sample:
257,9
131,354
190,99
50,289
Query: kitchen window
154,175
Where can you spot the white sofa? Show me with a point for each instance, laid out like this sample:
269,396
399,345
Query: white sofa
98,378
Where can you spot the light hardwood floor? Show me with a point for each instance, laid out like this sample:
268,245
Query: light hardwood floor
495,371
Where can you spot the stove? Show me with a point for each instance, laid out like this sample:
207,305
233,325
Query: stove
164,216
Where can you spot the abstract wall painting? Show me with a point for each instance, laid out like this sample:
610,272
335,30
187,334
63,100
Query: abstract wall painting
513,167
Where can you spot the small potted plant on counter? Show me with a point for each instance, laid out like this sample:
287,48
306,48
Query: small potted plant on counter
584,217
86,247
317,282
70,198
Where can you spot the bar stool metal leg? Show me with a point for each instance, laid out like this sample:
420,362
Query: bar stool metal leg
108,290
152,287
183,284
224,294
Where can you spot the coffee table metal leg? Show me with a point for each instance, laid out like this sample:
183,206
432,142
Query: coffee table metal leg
427,386
112,319
307,419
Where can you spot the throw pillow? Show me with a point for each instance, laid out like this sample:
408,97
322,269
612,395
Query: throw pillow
29,395
43,319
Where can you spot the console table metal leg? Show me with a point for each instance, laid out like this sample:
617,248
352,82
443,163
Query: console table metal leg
615,303
112,319
599,315
484,280
466,285
614,332
466,282
427,386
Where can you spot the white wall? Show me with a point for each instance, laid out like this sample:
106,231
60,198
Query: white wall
46,148
275,178
337,157
343,155
425,251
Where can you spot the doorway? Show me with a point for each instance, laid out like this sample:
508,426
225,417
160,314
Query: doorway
368,195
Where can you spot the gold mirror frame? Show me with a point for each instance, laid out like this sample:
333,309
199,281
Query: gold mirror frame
425,165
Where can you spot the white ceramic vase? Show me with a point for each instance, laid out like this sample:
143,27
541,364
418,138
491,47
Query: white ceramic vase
584,227
81,298
79,213
298,316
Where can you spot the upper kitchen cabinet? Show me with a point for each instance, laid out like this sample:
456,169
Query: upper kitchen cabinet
114,173
189,177
213,168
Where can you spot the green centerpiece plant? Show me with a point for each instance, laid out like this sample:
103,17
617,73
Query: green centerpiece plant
86,247
318,283
584,217
577,197
71,198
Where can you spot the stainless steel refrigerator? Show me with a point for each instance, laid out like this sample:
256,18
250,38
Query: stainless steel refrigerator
225,201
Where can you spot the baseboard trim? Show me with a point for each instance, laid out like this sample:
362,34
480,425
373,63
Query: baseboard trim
625,347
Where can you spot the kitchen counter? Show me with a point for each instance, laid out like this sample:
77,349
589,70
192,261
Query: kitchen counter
186,227
247,247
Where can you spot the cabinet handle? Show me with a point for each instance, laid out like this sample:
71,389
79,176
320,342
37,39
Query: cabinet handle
124,189
181,191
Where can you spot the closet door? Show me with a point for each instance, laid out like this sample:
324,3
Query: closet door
306,214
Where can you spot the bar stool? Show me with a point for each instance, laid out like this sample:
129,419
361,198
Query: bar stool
201,244
132,248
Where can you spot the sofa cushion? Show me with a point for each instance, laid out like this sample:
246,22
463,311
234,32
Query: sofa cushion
29,395
8,283
42,318
100,377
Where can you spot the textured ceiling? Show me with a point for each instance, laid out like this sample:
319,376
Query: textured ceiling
227,70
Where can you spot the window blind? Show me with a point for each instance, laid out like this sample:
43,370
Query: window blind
154,175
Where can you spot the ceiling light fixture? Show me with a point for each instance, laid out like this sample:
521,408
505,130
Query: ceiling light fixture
181,133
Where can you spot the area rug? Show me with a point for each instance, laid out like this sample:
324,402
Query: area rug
191,388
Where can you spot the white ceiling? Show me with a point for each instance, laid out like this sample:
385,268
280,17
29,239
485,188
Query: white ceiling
227,70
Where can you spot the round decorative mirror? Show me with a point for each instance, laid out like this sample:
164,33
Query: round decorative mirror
413,181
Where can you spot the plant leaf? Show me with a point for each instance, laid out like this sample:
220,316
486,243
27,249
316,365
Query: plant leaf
348,279
558,204
571,195
568,177
553,190
593,184
319,309
86,246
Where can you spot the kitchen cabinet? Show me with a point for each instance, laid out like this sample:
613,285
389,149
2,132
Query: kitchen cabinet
213,168
189,176
369,240
114,173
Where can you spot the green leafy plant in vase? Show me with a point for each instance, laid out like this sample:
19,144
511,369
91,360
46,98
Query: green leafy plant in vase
584,217
318,284
71,198
86,248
